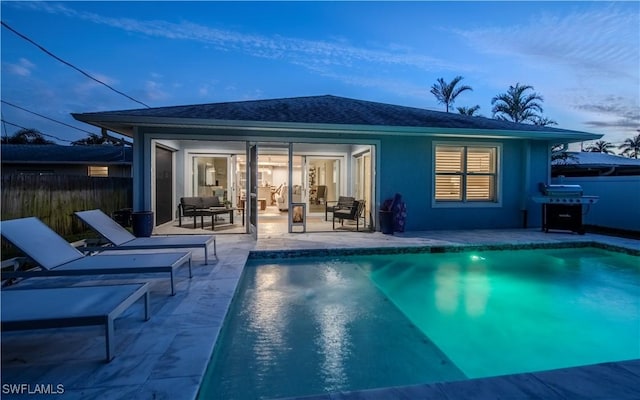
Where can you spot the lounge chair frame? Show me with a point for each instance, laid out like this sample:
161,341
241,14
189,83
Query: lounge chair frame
56,257
121,239
26,309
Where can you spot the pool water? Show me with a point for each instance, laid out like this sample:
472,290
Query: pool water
307,326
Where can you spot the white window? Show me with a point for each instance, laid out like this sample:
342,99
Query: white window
98,171
466,173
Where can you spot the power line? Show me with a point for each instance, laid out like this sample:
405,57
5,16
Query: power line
45,117
112,138
69,64
4,121
4,125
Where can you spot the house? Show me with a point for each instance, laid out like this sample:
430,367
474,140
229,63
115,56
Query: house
51,159
616,182
595,164
453,171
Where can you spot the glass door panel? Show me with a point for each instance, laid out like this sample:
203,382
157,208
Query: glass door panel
211,177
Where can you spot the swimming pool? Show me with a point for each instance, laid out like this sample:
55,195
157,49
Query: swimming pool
312,325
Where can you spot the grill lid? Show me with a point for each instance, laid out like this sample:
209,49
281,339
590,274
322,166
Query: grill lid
561,190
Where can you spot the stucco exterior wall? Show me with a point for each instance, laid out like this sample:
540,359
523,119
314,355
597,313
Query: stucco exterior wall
406,167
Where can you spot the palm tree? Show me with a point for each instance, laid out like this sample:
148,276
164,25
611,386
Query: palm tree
631,147
470,111
544,121
446,93
517,106
601,146
560,156
26,136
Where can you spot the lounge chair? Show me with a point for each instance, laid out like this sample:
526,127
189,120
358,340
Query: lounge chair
57,257
64,307
122,239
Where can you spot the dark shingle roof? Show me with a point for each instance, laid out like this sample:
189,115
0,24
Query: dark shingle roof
319,110
585,158
53,153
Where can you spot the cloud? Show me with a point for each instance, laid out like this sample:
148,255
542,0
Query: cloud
22,68
153,91
312,54
600,42
610,111
87,86
588,60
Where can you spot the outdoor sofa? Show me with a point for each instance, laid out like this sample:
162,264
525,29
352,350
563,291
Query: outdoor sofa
203,207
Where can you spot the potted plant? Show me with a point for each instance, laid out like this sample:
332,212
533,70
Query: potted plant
227,204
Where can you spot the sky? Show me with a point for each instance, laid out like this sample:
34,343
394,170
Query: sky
583,58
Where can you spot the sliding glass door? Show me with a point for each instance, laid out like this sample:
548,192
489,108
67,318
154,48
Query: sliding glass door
211,176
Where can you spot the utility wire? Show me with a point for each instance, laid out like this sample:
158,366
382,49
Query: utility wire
4,121
4,125
45,117
69,64
112,138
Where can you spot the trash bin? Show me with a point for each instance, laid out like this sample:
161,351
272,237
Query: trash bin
386,222
142,222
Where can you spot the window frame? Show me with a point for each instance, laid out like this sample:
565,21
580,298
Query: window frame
497,202
92,174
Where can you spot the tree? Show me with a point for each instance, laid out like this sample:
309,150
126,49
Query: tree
446,93
470,111
601,146
631,147
26,136
560,156
544,121
517,106
92,139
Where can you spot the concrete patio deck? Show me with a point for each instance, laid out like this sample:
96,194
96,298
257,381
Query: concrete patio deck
166,357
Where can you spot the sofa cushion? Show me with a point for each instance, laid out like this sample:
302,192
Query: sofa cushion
191,202
213,201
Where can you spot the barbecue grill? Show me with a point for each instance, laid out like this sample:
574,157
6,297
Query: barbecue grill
562,207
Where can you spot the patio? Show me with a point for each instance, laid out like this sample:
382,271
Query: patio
166,356
270,221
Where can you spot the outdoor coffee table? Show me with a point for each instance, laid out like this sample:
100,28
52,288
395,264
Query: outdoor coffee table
218,211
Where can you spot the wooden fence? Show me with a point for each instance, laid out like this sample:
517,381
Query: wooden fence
54,198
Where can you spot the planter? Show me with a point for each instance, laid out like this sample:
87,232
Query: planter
386,222
142,222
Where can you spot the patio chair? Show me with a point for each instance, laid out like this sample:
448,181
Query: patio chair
121,239
56,257
343,202
63,307
321,194
353,213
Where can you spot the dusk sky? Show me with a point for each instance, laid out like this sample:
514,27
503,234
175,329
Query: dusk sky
582,57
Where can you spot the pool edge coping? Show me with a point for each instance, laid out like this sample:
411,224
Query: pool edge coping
435,248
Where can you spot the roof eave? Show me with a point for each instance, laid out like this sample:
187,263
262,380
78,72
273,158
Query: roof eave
117,123
59,162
